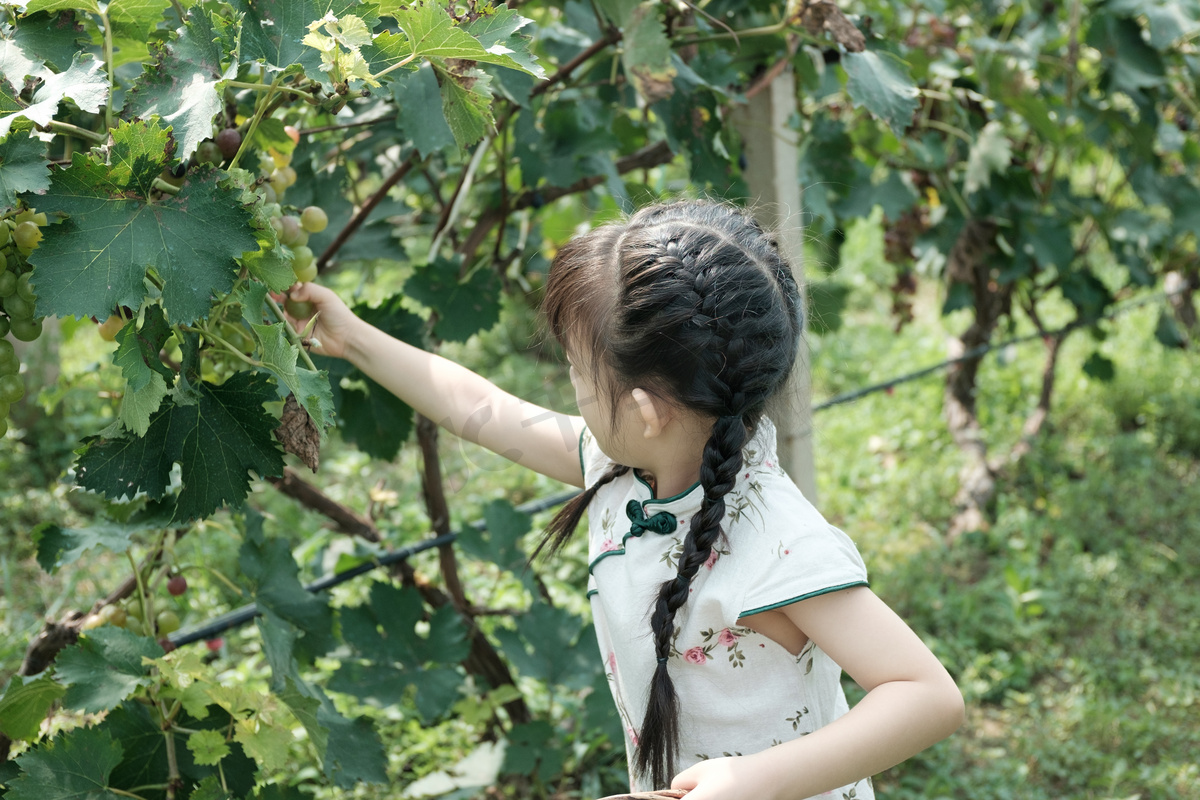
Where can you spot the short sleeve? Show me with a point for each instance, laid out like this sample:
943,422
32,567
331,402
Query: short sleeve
592,459
797,559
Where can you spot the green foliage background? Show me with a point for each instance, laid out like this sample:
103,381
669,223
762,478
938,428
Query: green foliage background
454,148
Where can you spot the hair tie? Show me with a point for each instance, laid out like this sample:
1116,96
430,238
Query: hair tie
662,660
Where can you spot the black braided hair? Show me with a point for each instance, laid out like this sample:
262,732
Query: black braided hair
693,301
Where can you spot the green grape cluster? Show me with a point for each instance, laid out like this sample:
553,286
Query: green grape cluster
292,226
19,236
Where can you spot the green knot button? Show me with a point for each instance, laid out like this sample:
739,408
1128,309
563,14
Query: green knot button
663,522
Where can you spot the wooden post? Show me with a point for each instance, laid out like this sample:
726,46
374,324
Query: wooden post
772,177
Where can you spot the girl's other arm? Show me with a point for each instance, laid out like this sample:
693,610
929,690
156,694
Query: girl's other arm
911,703
462,402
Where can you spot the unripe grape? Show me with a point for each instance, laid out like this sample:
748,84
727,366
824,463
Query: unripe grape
5,234
92,621
8,358
289,230
27,235
167,622
270,196
24,289
18,307
278,182
209,153
289,175
229,140
135,609
110,327
3,255
12,388
3,426
304,265
135,626
299,309
314,219
27,330
301,238
5,326
115,615
8,283
281,159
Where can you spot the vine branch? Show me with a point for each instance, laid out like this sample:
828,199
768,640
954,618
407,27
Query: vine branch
361,215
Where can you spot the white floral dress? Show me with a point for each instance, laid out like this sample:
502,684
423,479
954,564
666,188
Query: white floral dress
740,692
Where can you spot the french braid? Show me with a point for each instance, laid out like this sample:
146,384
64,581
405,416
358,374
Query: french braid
695,301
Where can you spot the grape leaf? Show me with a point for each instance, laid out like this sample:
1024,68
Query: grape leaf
138,405
208,747
433,34
181,86
497,34
75,766
26,704
310,388
990,153
274,577
138,349
23,168
216,440
421,117
880,83
98,258
52,38
466,103
135,19
16,64
53,6
544,646
272,30
58,547
104,668
210,789
354,751
464,308
499,545
83,82
647,53
269,745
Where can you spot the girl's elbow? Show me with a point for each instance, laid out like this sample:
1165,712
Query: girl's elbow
952,707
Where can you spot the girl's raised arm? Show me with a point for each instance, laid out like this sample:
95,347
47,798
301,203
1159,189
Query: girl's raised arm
462,402
911,703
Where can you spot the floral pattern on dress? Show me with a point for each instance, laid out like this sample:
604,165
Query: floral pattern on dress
729,638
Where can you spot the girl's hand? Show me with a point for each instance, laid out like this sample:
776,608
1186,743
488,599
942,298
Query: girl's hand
725,779
334,325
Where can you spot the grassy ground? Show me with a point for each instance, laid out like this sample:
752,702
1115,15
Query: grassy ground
1072,623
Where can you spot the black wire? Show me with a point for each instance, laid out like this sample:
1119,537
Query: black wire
240,616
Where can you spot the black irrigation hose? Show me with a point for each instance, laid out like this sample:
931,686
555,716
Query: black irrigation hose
240,616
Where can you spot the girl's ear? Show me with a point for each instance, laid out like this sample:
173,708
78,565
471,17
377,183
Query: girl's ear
655,414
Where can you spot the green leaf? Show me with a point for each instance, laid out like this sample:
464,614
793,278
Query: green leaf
1130,62
879,82
75,766
1085,291
104,668
57,547
98,258
1170,20
958,296
991,153
463,307
25,705
84,82
272,572
497,34
1167,332
138,349
647,53
310,388
499,545
354,752
544,647
210,789
181,85
135,19
529,751
52,38
54,6
466,103
421,117
17,64
269,745
272,31
1099,367
216,441
23,168
208,747
437,690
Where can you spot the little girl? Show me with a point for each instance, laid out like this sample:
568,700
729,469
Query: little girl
726,607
